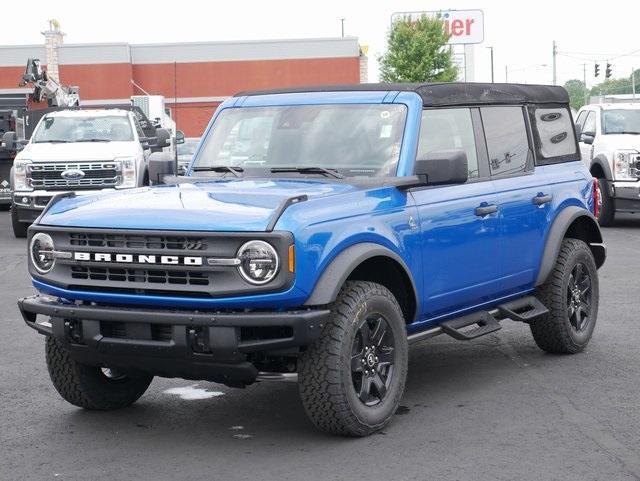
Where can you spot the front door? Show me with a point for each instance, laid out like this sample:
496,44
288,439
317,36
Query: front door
460,224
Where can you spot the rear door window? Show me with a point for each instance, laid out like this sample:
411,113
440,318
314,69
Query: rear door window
507,140
589,126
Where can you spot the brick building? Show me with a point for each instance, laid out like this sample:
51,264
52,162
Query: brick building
194,77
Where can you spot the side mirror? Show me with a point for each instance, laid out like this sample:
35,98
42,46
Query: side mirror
161,165
443,167
10,141
587,138
163,139
179,137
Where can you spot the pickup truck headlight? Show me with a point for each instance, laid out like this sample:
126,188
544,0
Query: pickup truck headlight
21,175
127,167
259,262
41,251
626,165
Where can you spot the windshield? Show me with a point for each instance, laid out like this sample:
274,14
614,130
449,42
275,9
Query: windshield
84,129
621,121
354,140
189,147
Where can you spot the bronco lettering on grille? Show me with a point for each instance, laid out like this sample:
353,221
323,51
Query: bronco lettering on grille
138,259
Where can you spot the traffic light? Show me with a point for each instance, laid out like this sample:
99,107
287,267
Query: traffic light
596,70
607,72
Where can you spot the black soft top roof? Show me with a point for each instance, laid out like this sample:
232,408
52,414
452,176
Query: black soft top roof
452,93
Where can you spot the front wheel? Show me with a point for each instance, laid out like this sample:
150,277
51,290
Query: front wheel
607,213
571,295
92,387
352,378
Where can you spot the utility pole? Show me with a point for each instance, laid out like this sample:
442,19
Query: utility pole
491,48
342,25
506,74
555,54
633,82
584,81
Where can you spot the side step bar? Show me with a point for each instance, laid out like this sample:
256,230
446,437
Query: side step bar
524,309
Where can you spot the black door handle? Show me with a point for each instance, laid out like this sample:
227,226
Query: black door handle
542,199
486,210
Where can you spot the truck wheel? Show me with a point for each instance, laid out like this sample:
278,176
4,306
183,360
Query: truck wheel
19,228
352,378
91,387
608,207
571,295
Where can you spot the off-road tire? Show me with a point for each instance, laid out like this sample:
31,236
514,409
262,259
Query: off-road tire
86,386
324,374
553,332
19,228
607,213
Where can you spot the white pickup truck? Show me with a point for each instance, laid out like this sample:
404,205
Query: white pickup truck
81,151
610,146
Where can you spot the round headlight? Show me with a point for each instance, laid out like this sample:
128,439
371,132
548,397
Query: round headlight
259,262
41,251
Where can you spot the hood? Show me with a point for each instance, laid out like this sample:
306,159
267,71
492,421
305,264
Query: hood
78,151
621,141
221,205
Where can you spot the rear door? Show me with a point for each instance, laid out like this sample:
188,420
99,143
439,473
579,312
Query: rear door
524,196
459,224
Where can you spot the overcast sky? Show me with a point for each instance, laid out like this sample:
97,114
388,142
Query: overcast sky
521,32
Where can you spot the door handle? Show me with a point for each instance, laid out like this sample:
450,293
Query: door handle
483,210
542,199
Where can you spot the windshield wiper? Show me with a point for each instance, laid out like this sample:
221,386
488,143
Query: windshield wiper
52,141
93,140
235,170
310,170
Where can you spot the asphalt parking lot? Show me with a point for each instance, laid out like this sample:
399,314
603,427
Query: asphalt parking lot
493,409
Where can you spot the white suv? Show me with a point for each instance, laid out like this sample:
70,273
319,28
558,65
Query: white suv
610,146
81,151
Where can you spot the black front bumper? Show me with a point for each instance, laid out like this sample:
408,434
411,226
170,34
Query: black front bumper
214,346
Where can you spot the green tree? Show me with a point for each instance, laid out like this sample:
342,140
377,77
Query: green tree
577,92
613,86
417,51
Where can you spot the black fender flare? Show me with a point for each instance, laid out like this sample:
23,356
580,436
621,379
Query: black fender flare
604,164
336,273
557,233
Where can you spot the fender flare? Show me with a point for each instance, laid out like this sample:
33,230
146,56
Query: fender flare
604,164
558,232
334,276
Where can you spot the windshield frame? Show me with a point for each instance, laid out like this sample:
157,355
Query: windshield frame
409,100
603,122
40,128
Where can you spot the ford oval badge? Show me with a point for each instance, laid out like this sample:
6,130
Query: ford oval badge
72,174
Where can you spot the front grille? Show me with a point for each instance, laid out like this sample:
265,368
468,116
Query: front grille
96,174
151,276
132,241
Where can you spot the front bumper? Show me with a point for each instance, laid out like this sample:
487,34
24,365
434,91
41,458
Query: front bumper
626,195
38,199
214,346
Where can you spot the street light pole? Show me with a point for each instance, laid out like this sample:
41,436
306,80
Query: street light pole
491,48
506,74
342,25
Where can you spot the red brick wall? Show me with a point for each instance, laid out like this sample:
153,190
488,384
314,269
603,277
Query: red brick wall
201,79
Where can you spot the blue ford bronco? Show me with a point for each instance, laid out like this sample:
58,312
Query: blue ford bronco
316,234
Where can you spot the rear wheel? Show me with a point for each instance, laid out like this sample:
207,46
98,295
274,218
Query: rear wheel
91,387
607,212
571,295
19,228
352,378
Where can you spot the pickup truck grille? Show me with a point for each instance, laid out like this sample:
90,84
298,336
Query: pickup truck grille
96,175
